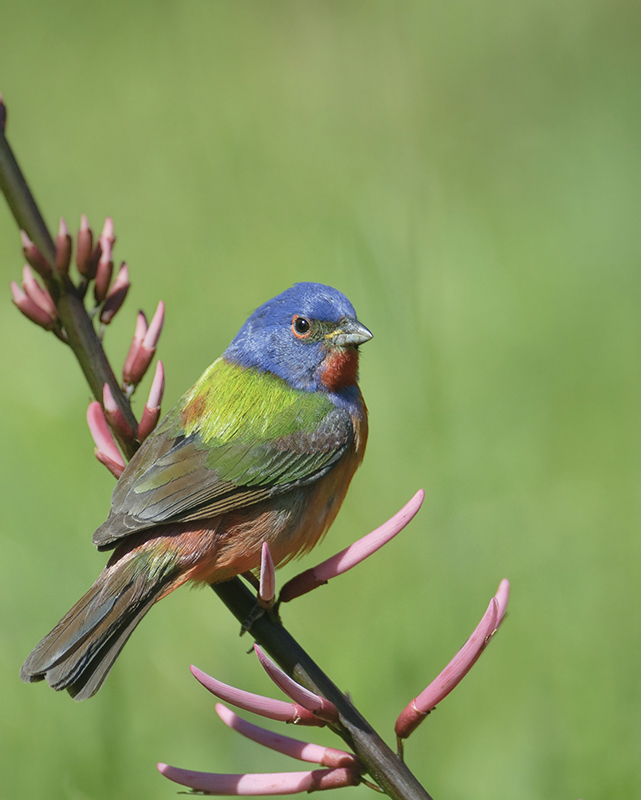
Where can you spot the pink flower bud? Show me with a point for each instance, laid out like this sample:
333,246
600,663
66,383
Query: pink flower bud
145,353
104,266
84,246
155,328
262,784
157,387
107,235
63,248
502,596
267,586
114,415
256,703
303,751
113,467
151,413
352,555
139,335
92,267
30,309
324,709
414,713
35,257
116,296
104,271
106,449
40,296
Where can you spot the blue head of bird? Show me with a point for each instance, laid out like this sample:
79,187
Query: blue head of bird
308,335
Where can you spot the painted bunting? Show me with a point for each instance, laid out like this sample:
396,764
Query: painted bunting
261,449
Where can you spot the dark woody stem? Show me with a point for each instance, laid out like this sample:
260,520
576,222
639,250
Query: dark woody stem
81,335
382,764
387,769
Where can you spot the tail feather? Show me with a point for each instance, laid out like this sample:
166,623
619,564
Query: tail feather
91,678
79,652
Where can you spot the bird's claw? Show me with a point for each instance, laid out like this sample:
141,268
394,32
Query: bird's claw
257,612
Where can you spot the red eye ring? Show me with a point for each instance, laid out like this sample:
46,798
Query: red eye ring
301,326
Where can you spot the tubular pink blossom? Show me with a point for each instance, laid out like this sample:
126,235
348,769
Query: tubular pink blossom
148,422
267,586
324,709
96,255
40,296
262,784
114,415
104,271
35,257
63,248
314,753
107,235
116,296
265,706
462,662
30,309
155,328
151,413
157,387
144,355
502,595
106,449
139,335
113,467
140,364
352,555
104,265
84,246
414,713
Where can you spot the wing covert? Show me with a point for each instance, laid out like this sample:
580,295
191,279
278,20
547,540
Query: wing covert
188,471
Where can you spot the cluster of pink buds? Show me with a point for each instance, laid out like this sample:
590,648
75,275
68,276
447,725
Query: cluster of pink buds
94,261
34,301
105,418
106,450
341,768
142,348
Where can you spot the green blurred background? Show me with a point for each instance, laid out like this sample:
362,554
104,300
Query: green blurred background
469,175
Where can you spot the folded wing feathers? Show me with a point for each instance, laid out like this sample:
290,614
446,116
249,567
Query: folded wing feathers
187,480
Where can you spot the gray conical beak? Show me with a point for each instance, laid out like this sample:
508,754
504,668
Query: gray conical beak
349,333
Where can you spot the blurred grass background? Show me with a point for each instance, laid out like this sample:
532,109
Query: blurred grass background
469,175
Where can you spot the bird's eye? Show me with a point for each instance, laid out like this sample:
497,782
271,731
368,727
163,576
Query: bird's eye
301,327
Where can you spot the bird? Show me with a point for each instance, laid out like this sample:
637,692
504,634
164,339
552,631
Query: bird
261,449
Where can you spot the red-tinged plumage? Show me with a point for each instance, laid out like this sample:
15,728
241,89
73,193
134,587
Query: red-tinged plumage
194,410
340,369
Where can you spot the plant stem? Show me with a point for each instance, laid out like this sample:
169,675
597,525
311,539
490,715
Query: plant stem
383,765
21,202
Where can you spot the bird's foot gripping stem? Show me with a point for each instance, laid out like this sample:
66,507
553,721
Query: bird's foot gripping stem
265,594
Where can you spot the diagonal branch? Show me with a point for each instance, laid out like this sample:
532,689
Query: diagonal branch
381,762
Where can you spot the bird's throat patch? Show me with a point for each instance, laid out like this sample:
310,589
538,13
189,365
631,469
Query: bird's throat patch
340,369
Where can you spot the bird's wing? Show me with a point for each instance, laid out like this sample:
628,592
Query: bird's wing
238,437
